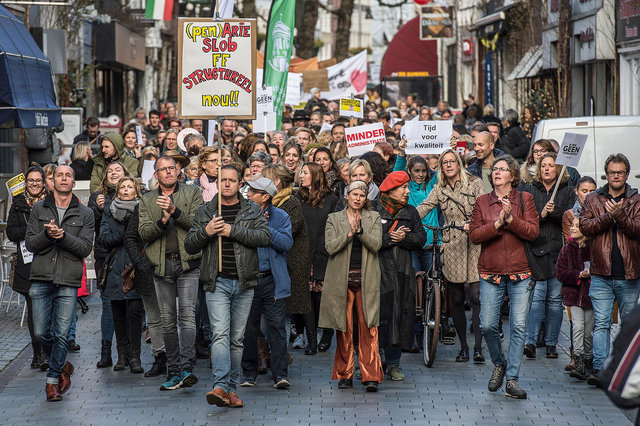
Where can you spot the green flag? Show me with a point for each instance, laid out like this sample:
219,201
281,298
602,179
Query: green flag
278,51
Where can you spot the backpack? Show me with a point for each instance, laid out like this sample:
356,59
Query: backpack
620,376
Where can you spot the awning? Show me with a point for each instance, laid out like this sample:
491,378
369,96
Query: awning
529,66
27,98
407,55
492,23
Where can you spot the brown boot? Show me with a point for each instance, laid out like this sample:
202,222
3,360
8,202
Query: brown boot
64,382
218,397
53,394
234,401
263,354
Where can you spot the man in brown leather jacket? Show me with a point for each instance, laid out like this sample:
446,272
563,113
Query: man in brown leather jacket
611,218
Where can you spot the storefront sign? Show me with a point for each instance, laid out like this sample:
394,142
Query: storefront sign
428,137
488,87
435,22
468,46
627,20
216,68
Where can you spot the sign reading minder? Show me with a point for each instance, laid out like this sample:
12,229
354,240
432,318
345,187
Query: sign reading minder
428,137
217,68
361,139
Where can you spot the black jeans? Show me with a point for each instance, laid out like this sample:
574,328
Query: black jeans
264,302
127,321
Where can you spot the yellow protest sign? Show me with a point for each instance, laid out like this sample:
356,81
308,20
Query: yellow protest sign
351,107
16,185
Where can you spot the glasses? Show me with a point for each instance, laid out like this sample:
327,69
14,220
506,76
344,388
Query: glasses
166,169
34,181
540,151
500,169
449,163
616,173
256,192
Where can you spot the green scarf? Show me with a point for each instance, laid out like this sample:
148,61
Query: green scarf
392,206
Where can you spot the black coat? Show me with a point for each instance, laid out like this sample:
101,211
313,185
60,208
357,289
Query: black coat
16,231
82,169
551,225
99,252
515,143
143,277
316,218
398,281
112,238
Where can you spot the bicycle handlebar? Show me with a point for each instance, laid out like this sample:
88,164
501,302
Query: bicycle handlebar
444,228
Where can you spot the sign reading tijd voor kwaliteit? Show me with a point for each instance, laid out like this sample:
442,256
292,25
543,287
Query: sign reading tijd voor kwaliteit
428,137
216,68
361,139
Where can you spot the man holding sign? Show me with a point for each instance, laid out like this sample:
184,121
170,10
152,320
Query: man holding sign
611,218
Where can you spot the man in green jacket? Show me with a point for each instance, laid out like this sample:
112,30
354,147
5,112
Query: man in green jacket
111,149
165,217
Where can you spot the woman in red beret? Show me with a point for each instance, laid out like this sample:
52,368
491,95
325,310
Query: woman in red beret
456,193
402,233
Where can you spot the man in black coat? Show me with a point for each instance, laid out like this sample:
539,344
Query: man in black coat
514,142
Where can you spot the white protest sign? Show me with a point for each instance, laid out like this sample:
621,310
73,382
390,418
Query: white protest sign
351,107
147,172
571,149
428,137
211,131
216,68
27,256
265,122
347,77
139,134
294,87
264,101
325,127
361,139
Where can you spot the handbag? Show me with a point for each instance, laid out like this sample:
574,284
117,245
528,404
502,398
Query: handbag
538,255
128,275
101,282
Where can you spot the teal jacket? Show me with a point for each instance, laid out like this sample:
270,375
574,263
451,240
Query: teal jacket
419,193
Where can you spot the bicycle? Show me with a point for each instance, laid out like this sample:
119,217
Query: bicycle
431,294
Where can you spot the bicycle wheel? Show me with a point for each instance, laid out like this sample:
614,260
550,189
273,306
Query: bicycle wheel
431,322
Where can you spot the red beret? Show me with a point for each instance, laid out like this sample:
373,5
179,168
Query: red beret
394,180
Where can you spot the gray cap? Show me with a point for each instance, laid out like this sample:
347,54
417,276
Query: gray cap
263,184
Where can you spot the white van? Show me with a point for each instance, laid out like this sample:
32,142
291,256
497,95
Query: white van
606,135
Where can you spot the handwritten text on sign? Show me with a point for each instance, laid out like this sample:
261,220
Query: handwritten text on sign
428,137
216,68
361,139
571,149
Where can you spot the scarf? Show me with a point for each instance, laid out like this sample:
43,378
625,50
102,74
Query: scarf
391,205
121,210
209,189
32,199
577,208
281,197
331,177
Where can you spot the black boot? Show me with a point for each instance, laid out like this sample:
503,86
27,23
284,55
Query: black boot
325,340
45,360
159,366
37,359
580,371
588,364
312,347
105,355
123,358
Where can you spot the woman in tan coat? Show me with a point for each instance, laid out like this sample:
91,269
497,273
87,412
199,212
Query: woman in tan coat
353,237
456,193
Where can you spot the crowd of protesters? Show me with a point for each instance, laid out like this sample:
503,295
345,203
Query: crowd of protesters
281,241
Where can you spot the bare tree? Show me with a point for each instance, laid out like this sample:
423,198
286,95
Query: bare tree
343,32
306,30
564,62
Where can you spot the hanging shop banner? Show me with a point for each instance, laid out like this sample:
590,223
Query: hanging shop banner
361,139
435,22
351,107
217,68
428,137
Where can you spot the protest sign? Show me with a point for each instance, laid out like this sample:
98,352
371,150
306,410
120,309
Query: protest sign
183,134
428,137
347,77
264,100
571,149
211,131
27,256
351,107
139,135
216,68
294,83
461,148
265,122
361,139
147,172
16,185
326,127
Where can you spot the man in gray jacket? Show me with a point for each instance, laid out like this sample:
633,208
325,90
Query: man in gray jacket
60,236
242,228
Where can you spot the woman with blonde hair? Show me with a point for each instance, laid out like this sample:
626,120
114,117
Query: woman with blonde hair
82,161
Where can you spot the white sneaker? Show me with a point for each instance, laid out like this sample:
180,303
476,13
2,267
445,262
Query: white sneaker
300,342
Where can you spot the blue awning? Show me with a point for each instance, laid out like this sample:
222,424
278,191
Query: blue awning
27,98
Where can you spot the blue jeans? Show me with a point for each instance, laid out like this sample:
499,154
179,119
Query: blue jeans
106,321
421,260
229,308
72,327
53,309
604,291
491,296
547,304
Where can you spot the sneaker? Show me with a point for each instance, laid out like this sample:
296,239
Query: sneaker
248,382
530,351
299,343
478,357
495,382
593,379
282,383
552,352
395,373
187,379
514,390
172,383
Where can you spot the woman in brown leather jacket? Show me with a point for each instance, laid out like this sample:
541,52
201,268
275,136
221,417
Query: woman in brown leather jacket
501,221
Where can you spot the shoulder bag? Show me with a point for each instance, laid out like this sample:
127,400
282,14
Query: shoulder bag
128,275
